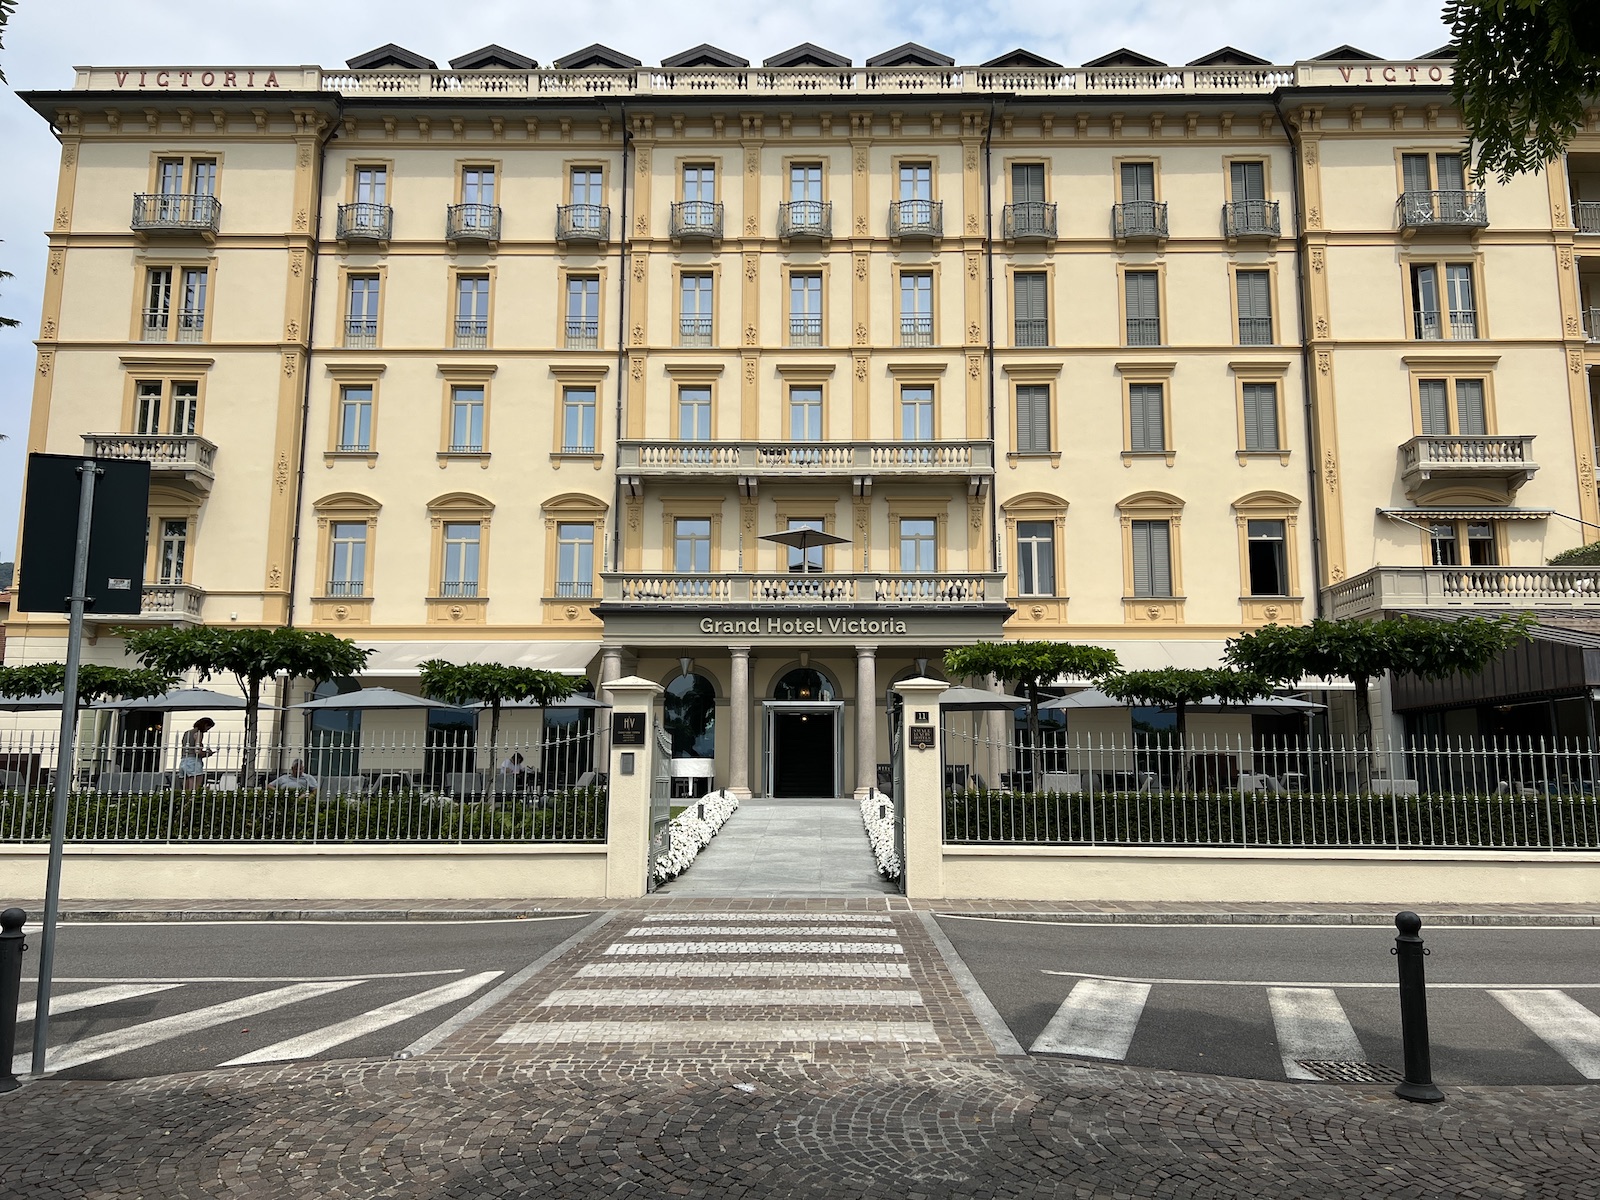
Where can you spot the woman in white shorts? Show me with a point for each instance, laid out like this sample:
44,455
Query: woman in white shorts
192,764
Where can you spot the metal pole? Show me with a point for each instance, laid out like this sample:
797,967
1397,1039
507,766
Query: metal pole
1409,953
64,764
11,948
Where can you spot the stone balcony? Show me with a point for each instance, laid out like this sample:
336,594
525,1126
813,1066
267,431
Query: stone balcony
1506,462
1401,589
167,604
746,589
806,460
182,459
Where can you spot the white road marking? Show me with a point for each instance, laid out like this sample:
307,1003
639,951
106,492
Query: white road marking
785,918
1124,925
1310,1024
249,978
656,998
633,1032
1293,983
1566,1026
819,947
278,923
93,998
1096,1020
745,970
757,931
136,1037
308,1045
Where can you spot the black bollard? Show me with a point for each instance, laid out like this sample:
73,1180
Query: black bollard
1409,953
11,948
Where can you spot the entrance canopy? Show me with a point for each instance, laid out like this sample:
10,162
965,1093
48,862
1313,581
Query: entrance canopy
404,659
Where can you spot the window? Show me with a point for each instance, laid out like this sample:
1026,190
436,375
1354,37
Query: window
466,420
1030,308
1261,417
157,303
583,312
355,419
1147,432
587,188
472,311
150,402
574,559
1247,182
809,559
372,185
805,414
1027,183
1033,418
691,545
347,562
1434,187
1269,560
174,551
192,317
1460,294
1152,558
461,545
1142,296
916,308
918,546
694,414
169,176
477,187
916,182
577,420
185,408
694,320
805,183
361,319
1036,558
805,308
173,201
700,184
1445,539
1138,181
1254,294
1446,548
1467,416
916,414
147,406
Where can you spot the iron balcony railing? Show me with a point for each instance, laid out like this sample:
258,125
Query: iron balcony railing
916,218
1250,218
466,448
153,328
1255,331
780,588
1482,457
583,223
472,333
583,333
574,588
1393,589
346,587
694,331
365,222
577,447
696,219
457,588
1031,332
161,212
1144,331
1443,210
361,447
805,330
1031,221
361,333
1591,327
191,326
805,219
916,331
727,459
1139,219
1429,324
472,223
1586,216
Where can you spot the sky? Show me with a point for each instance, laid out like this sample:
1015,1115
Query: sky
47,38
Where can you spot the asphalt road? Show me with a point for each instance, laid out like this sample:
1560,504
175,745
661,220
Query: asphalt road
1506,1006
150,999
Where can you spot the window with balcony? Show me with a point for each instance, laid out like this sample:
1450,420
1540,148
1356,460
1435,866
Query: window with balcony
192,316
1142,302
919,545
1030,308
185,407
177,400
805,213
574,558
466,420
1036,558
462,546
1445,539
361,312
1253,293
1267,552
810,558
1466,414
583,312
1248,212
694,414
477,217
347,558
368,217
173,553
1028,217
805,183
147,406
157,304
805,308
1033,418
577,420
185,198
1261,432
916,308
805,414
691,545
585,217
1137,213
1152,558
1147,425
472,312
1454,314
355,420
1434,192
694,309
698,214
915,211
916,414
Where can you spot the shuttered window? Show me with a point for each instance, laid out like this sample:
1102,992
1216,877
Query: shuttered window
1434,395
1033,419
1248,180
1138,182
1147,431
1142,296
1027,183
1471,419
1261,417
1255,307
1152,558
1414,173
1031,304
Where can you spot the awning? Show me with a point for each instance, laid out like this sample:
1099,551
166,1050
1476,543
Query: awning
1424,515
404,658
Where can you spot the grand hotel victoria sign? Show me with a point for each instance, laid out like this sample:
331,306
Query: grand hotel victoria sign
913,626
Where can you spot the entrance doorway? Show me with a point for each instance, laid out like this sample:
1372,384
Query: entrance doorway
804,755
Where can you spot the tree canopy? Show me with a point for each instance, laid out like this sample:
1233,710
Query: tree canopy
493,684
96,683
1178,687
1524,73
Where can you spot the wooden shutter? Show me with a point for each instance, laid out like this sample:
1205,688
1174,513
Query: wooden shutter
1255,294
1027,183
1033,419
1152,558
1030,296
1146,420
1414,173
1143,300
1261,416
1248,180
1138,182
1471,419
1451,177
1435,402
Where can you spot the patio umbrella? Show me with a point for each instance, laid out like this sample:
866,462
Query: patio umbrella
579,702
181,700
1088,698
967,699
803,538
1266,704
44,703
368,698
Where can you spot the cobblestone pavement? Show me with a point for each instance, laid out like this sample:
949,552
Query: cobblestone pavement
859,1071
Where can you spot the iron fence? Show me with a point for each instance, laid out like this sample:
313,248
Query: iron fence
1244,792
447,785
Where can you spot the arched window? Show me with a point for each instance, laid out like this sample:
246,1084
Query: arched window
689,713
804,683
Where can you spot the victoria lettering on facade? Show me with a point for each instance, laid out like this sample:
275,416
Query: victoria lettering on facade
786,626
193,78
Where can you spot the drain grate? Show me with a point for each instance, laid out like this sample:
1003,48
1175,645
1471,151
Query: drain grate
1351,1072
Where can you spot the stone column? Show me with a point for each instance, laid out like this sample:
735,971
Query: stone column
997,727
610,668
739,722
628,822
923,864
866,720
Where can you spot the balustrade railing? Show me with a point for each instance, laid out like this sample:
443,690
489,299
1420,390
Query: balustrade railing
1139,219
694,332
1033,220
1144,331
709,458
472,223
1591,327
361,333
1255,331
805,588
583,222
916,330
171,601
583,333
696,219
471,333
805,330
1586,216
1250,218
916,218
365,222
166,212
163,451
805,219
1031,332
1401,588
1466,450
1443,210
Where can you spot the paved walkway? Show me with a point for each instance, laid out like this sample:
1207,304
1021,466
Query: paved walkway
786,848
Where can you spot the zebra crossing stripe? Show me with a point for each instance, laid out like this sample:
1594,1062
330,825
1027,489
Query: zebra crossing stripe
658,998
749,969
1096,1020
94,998
758,931
770,918
636,1031
1311,1024
1566,1026
148,1033
306,1045
817,947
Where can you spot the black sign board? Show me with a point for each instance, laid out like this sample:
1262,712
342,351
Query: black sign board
627,729
116,535
922,737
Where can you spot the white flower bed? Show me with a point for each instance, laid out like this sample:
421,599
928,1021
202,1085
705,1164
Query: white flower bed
880,832
687,834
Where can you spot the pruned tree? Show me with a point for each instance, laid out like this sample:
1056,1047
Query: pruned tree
494,685
96,683
1179,687
1029,666
250,656
1525,71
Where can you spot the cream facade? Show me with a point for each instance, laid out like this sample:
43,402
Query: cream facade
525,365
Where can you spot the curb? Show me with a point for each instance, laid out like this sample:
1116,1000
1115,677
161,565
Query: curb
312,914
1577,920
